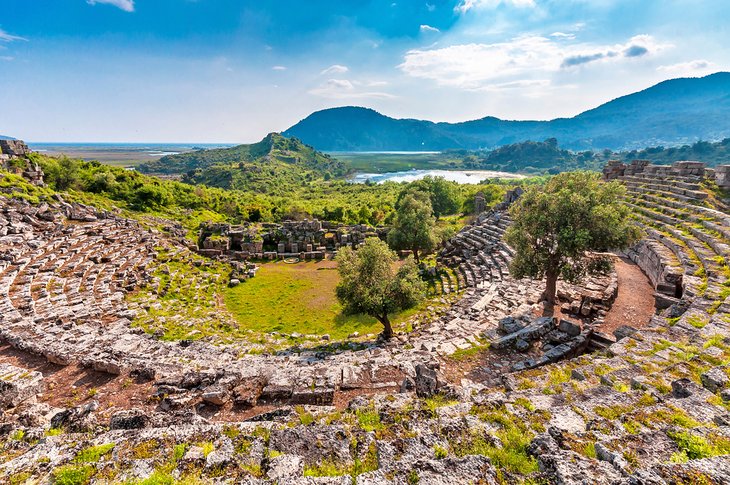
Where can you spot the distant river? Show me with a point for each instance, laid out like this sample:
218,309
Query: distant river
460,176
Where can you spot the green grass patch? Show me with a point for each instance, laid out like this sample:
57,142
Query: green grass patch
369,419
93,454
73,475
466,354
298,298
697,321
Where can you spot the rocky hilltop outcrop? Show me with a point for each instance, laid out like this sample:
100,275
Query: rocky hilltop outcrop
14,158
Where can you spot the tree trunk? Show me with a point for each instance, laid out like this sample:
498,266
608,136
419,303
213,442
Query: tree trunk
387,327
415,255
551,288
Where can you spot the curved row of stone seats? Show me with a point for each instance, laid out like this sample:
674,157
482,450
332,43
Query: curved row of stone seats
667,188
478,253
675,210
62,296
639,402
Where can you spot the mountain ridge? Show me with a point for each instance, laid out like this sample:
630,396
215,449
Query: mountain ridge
672,112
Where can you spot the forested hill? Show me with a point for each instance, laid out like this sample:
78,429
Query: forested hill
264,166
535,157
712,154
547,157
673,112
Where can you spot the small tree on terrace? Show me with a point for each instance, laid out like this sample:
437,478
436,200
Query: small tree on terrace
414,227
555,227
369,283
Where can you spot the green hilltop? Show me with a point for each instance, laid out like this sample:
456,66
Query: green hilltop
266,166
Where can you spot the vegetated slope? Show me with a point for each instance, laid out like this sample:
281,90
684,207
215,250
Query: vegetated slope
712,154
672,112
265,166
547,156
534,157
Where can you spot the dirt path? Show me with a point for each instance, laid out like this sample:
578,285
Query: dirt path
634,304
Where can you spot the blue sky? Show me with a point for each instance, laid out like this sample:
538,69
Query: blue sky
234,70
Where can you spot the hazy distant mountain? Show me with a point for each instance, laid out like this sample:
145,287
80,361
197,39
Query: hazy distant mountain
673,112
3,137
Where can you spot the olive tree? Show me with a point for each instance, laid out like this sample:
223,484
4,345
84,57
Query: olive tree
414,227
370,283
557,225
445,196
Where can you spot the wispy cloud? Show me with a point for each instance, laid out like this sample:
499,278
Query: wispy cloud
278,68
637,46
6,37
126,5
427,28
346,89
695,67
7,58
335,69
466,5
562,35
523,59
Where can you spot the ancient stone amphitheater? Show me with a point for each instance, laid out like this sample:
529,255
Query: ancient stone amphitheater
551,401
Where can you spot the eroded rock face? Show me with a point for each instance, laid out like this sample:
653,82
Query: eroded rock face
129,419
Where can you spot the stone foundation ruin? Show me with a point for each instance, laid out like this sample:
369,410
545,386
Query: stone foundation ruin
305,239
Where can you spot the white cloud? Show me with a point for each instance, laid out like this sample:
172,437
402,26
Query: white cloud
335,69
346,89
523,59
466,5
562,35
6,37
696,67
126,5
427,28
278,68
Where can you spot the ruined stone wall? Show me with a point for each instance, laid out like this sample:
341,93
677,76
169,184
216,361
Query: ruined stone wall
307,239
616,169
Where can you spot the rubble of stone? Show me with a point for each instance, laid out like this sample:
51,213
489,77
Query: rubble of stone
653,408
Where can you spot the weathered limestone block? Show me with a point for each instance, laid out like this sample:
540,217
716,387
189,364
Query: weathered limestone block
613,170
535,330
722,176
689,168
715,379
18,385
285,467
